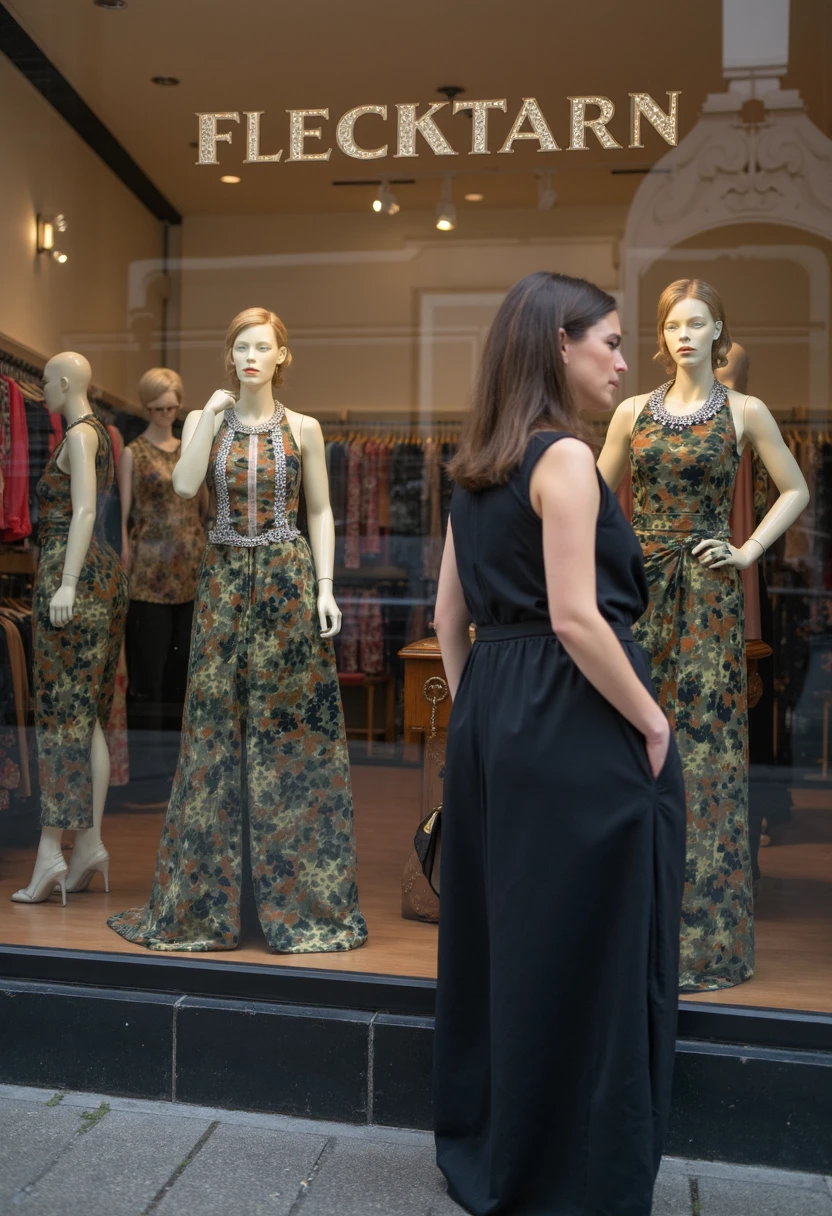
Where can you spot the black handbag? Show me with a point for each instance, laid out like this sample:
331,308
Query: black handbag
428,845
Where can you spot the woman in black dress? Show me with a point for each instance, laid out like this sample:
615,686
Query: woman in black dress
564,823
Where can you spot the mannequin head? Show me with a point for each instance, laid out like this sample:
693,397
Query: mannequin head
737,366
161,392
691,326
255,348
66,377
551,352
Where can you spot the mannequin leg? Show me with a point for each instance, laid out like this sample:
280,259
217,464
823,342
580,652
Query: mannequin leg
50,869
88,852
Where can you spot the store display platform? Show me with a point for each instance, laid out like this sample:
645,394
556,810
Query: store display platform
349,1036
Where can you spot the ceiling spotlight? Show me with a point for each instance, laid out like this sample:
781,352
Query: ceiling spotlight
111,4
547,196
230,179
166,81
385,201
445,209
474,198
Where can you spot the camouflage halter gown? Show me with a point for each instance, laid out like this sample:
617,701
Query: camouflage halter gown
263,730
694,632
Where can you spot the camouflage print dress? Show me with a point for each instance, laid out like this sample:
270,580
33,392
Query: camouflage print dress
263,742
74,664
694,631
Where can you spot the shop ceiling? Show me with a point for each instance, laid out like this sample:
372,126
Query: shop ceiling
245,55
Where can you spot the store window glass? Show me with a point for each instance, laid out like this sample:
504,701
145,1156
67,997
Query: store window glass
185,183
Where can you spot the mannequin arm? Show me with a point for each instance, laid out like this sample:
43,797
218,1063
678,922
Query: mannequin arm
198,431
615,455
81,448
125,489
763,434
321,523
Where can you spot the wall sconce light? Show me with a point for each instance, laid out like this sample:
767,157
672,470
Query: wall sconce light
48,225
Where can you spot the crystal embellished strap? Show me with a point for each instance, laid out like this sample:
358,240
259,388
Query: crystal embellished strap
224,532
678,422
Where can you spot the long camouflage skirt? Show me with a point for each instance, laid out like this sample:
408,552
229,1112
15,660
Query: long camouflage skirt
262,679
74,676
694,633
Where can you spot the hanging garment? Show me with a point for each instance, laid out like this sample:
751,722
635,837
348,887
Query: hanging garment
693,629
15,469
75,664
167,538
370,537
352,544
9,733
20,681
561,876
262,684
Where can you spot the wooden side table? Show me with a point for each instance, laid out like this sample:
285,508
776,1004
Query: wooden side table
423,662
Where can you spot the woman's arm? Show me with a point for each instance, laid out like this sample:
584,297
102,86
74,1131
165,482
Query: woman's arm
81,448
565,493
198,431
615,454
451,617
320,522
125,490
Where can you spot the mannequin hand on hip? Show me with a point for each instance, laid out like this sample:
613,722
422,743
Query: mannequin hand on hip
329,614
61,605
220,401
717,553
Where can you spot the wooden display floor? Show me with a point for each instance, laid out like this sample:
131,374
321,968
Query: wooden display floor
794,911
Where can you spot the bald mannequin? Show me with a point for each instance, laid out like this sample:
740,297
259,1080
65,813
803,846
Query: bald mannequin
66,381
735,373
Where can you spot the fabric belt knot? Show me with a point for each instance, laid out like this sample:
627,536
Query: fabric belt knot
682,529
537,629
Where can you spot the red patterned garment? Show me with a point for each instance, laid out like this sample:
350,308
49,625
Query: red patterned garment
14,463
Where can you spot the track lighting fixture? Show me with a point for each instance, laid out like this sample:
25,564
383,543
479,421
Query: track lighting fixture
445,210
385,201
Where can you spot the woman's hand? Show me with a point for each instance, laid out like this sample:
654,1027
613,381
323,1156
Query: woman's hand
220,401
61,605
329,614
714,554
658,745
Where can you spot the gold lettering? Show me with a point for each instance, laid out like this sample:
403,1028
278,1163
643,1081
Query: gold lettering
253,141
208,137
530,112
479,113
409,125
580,123
345,133
299,133
667,125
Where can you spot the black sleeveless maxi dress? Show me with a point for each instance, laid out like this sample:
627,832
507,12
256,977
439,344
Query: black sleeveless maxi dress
561,873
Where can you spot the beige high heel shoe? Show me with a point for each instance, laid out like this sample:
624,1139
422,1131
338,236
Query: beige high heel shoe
54,876
79,876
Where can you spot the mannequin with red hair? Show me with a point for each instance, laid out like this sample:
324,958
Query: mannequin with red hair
684,443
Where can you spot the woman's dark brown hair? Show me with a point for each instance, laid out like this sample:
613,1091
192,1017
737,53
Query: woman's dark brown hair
521,384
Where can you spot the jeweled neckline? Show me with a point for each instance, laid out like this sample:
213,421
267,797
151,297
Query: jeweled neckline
256,428
678,422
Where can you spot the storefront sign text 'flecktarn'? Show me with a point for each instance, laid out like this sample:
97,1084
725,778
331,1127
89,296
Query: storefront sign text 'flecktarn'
409,126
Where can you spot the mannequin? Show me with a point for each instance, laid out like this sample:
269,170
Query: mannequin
77,634
684,443
161,554
263,740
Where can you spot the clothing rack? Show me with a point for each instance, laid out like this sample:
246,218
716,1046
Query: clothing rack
26,366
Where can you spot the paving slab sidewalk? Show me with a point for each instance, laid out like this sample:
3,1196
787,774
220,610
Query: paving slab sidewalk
88,1155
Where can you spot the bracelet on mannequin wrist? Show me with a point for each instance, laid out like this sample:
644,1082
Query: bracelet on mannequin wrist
325,579
65,576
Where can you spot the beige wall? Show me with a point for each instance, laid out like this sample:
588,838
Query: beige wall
352,291
82,305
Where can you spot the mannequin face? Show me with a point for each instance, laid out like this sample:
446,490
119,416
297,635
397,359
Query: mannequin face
164,408
54,389
256,354
690,332
594,364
